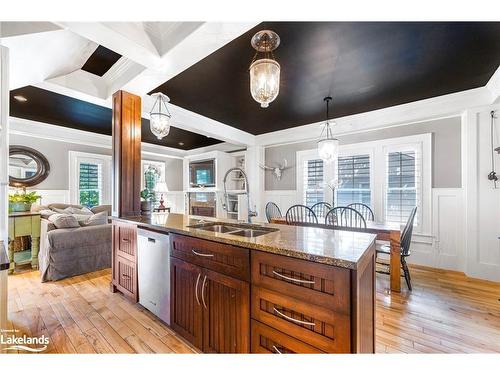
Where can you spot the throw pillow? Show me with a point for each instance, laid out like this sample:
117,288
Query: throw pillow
45,214
97,219
78,211
64,221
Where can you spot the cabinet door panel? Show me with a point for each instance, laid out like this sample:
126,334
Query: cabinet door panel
125,240
125,277
185,303
226,314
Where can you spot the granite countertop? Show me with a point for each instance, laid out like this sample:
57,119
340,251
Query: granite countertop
328,246
4,259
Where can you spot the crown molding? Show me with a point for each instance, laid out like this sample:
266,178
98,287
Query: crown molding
41,130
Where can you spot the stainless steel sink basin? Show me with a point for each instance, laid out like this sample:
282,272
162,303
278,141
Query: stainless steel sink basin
251,233
242,230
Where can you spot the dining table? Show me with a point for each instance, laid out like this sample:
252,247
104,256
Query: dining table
384,231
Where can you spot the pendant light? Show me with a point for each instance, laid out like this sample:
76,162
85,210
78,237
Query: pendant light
265,71
160,116
328,147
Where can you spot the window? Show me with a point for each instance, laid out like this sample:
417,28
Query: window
353,174
152,173
90,178
403,185
313,182
90,184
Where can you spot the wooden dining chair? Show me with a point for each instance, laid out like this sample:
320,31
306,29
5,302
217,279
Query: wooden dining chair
299,213
364,210
345,217
272,211
321,209
405,248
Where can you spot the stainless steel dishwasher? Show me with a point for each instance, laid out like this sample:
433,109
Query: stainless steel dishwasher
153,268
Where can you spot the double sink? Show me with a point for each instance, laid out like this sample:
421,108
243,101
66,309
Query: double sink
242,230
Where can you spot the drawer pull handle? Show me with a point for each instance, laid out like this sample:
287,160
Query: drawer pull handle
292,319
203,292
196,288
292,279
126,276
201,254
276,350
125,240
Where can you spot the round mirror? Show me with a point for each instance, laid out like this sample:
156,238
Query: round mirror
27,167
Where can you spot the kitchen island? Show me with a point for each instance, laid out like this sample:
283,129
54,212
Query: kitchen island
267,288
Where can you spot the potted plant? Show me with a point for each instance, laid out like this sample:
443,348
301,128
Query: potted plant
146,204
21,202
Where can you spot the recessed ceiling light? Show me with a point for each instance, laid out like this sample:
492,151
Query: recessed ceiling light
20,98
181,143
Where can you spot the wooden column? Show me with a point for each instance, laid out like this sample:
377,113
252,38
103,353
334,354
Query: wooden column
126,154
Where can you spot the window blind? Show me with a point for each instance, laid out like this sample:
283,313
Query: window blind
313,182
353,174
90,184
403,185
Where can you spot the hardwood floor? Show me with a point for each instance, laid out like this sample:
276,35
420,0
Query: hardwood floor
446,312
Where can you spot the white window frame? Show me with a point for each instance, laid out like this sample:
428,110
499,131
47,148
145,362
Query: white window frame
156,163
301,158
77,157
378,173
356,150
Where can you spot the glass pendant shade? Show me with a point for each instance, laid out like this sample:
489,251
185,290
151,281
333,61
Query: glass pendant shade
159,122
265,70
328,149
264,81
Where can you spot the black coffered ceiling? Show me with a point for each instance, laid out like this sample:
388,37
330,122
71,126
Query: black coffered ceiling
52,108
101,61
364,66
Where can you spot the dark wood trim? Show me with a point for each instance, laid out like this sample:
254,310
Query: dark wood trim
126,154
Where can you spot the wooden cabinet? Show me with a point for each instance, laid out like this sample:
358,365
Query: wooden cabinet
209,308
125,260
185,307
298,304
226,314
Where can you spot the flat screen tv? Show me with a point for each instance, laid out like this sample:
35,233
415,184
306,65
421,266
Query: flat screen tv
202,173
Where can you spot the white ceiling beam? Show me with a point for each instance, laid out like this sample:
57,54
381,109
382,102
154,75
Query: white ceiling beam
421,110
493,86
204,40
12,29
129,41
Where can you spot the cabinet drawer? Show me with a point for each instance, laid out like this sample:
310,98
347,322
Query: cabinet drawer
320,284
268,340
125,277
322,328
125,240
22,226
226,259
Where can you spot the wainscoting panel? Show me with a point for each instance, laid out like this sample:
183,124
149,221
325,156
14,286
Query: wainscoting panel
175,199
448,228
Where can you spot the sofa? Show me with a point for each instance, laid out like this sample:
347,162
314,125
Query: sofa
67,252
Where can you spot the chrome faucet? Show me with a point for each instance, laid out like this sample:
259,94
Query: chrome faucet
247,192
